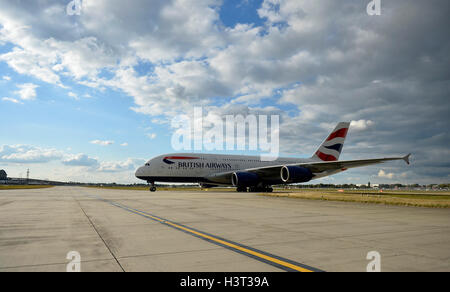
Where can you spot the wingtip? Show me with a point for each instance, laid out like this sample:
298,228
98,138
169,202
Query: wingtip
406,158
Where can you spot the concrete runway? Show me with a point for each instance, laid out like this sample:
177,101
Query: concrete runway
121,230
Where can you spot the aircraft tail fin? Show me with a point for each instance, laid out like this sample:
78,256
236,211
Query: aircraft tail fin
331,148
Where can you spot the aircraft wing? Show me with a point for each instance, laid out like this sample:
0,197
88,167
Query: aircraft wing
317,167
273,172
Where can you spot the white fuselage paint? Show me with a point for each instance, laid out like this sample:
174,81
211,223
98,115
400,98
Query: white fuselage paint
204,165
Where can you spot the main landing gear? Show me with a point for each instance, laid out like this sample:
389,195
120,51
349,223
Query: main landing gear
152,187
264,189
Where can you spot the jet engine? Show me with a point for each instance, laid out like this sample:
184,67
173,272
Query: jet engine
244,179
295,174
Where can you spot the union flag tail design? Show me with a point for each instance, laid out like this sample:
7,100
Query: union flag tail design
332,146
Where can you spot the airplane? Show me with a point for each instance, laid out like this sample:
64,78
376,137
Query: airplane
250,173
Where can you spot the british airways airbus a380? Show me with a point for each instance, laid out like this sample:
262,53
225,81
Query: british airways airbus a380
250,172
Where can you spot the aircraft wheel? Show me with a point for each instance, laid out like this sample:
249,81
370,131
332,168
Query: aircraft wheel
152,189
257,189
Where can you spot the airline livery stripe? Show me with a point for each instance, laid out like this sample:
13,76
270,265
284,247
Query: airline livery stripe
337,147
179,157
325,157
273,260
342,133
336,140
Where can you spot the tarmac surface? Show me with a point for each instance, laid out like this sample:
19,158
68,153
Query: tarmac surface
124,230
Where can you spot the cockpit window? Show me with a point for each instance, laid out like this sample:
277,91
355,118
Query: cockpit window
147,164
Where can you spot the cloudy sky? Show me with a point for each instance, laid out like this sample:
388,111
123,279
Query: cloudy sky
90,97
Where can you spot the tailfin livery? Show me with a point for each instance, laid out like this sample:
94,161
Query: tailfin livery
332,146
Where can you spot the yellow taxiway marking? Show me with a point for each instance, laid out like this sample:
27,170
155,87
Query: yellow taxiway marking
243,250
254,253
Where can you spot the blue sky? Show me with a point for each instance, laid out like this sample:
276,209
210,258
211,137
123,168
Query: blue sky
90,97
58,120
233,12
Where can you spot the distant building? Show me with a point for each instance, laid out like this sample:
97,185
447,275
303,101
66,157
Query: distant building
3,175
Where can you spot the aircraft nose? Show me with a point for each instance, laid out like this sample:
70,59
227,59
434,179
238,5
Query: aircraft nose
139,172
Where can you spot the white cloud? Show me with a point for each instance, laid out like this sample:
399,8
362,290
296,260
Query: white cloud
11,100
124,144
50,163
361,125
102,143
29,63
28,154
73,95
151,135
27,91
383,174
79,160
6,78
116,166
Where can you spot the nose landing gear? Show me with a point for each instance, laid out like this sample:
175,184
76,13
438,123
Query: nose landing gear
152,187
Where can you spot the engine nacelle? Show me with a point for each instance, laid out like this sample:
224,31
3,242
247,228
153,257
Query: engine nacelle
295,174
244,179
